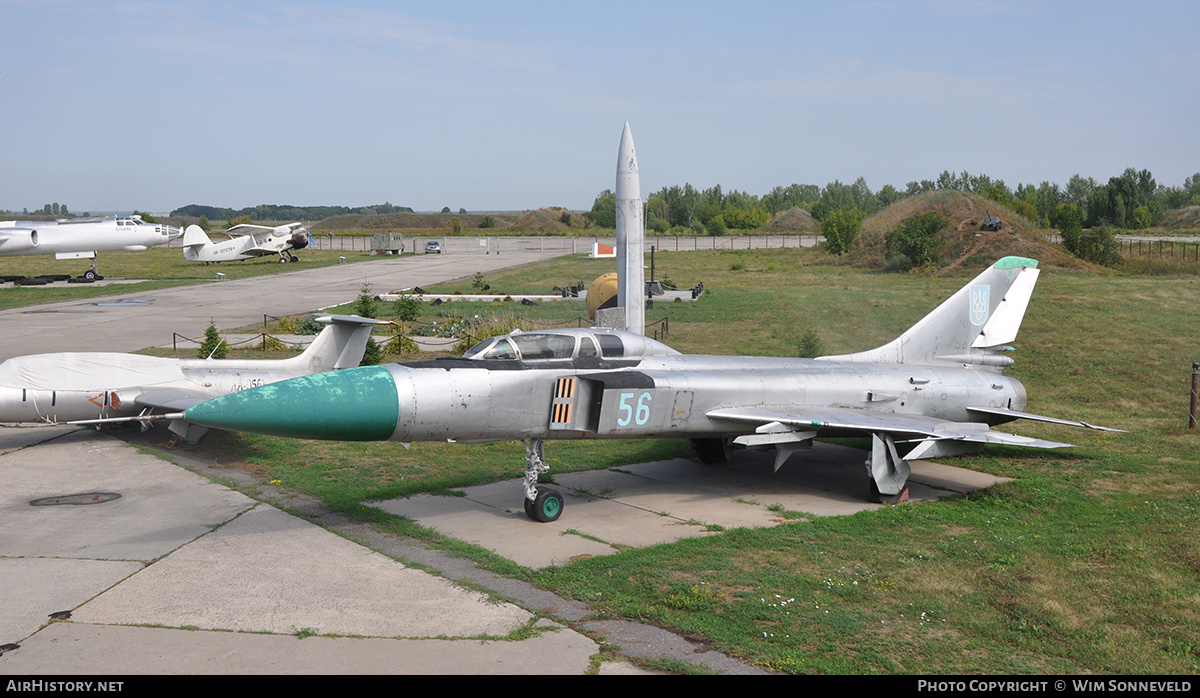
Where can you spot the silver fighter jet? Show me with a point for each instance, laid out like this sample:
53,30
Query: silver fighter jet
940,385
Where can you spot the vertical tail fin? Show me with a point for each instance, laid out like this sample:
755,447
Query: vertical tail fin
340,345
970,327
194,236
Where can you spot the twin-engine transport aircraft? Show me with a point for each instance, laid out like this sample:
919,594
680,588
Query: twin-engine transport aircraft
245,242
940,385
82,238
80,386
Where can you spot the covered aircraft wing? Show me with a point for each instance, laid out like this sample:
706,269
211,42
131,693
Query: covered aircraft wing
171,399
874,421
87,371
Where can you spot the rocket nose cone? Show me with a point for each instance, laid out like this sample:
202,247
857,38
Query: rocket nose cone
356,404
626,155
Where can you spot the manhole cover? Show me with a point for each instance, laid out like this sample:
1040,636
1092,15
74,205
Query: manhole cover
83,498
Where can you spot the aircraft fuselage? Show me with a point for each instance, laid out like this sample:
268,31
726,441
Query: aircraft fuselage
669,396
73,238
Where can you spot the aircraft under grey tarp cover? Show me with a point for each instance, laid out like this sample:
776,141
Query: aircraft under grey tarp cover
940,384
104,386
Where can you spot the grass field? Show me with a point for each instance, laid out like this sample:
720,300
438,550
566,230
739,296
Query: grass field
1088,562
160,267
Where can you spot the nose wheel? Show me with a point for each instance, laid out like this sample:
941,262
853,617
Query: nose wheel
546,508
545,505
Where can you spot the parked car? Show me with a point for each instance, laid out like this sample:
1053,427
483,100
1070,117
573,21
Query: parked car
433,246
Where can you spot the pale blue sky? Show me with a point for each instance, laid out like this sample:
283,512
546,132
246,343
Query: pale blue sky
153,105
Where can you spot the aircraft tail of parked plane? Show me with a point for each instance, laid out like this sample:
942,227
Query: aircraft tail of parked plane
971,327
194,236
343,347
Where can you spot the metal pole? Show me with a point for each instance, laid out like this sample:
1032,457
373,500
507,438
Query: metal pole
1195,392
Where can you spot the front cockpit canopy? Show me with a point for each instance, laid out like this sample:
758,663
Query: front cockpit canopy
567,344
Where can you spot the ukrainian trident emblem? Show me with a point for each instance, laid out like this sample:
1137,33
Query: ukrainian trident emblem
979,304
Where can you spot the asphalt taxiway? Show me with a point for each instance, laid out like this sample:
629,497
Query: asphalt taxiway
132,321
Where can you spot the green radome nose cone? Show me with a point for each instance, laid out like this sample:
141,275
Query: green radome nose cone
355,404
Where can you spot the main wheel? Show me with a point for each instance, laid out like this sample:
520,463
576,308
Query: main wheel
89,274
711,451
548,506
880,498
529,508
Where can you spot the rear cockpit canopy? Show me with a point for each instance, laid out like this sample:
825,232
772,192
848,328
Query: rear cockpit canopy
567,344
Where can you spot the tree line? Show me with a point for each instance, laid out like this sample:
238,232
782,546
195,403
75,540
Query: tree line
1130,200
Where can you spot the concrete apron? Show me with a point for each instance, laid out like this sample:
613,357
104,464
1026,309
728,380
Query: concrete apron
650,503
183,575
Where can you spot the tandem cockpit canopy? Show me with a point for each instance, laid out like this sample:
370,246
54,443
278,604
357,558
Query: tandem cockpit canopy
566,344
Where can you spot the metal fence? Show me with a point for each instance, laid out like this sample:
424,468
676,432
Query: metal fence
1163,249
560,245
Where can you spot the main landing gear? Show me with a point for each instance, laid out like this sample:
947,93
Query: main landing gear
887,470
547,505
93,274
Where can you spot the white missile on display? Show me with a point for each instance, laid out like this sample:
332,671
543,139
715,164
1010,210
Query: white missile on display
631,233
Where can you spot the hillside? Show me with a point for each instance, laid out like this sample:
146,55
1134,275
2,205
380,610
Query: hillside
1186,218
964,244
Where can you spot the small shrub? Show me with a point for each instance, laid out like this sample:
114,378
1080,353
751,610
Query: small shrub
840,228
372,355
287,325
810,345
1099,246
269,343
309,325
366,305
897,263
214,345
408,307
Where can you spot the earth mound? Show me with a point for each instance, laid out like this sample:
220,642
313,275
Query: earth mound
793,220
963,242
547,220
1186,218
